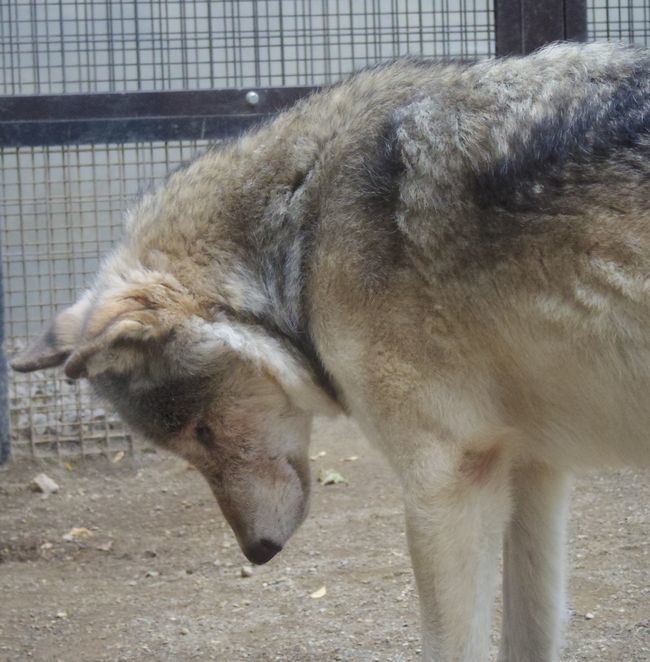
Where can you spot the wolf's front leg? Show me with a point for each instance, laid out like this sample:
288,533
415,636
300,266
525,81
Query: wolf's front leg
533,566
456,516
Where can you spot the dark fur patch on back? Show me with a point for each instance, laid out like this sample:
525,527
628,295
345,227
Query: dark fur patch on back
372,181
381,169
534,169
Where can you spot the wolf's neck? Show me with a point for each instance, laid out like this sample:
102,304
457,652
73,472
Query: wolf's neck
281,251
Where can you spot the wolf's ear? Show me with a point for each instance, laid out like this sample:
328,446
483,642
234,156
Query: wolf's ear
110,329
53,347
127,320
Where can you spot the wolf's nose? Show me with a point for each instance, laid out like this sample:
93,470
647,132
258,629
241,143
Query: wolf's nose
262,551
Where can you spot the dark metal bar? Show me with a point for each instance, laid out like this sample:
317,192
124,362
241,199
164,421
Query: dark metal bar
147,104
4,401
117,131
543,23
523,26
575,20
68,119
508,25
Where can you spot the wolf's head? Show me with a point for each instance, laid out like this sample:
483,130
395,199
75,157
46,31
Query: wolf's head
232,399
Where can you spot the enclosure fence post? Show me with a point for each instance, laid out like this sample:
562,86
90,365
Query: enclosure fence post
4,401
523,26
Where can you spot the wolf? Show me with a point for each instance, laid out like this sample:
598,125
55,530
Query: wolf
455,255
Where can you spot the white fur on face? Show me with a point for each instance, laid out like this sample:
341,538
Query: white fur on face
266,354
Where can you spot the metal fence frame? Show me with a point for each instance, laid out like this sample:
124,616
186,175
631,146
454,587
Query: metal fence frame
70,119
522,26
4,400
74,119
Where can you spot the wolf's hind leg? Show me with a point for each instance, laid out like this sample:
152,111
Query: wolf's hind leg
456,514
533,575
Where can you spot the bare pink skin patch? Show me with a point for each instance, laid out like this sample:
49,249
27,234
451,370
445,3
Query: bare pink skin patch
477,465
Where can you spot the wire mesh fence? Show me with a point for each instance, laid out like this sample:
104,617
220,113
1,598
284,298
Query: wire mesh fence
62,206
619,20
62,211
62,46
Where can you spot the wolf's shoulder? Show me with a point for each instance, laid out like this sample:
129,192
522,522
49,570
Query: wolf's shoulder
500,132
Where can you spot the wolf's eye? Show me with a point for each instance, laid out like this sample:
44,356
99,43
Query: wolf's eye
204,434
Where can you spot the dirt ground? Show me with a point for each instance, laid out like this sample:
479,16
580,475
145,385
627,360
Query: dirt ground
154,573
